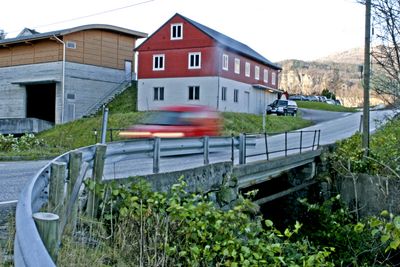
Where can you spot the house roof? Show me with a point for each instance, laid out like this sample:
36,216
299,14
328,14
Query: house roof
227,42
231,43
39,36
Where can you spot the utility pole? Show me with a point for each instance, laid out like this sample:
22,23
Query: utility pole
367,67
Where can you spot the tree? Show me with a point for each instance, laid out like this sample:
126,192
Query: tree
385,79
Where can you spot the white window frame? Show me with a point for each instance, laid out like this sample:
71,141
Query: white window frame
70,44
156,62
237,65
176,26
193,65
273,76
195,88
225,62
223,93
266,76
236,95
158,92
247,69
256,72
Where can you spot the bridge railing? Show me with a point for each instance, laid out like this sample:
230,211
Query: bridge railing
307,140
47,206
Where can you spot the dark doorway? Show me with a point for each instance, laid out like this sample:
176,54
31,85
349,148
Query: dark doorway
41,101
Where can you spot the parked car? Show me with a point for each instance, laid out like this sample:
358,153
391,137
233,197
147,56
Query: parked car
177,121
337,101
313,98
298,97
330,101
282,107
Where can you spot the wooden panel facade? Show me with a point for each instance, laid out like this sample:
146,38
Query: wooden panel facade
41,51
93,47
100,48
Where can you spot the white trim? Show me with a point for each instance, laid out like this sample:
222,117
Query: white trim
273,78
225,62
256,72
154,62
194,66
237,65
247,69
177,25
265,75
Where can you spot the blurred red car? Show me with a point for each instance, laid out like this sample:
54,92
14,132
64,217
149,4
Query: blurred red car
177,121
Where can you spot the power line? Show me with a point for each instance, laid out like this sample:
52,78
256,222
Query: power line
91,15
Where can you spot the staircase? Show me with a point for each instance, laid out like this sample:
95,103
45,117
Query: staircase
107,98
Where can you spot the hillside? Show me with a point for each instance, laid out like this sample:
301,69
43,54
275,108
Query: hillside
338,73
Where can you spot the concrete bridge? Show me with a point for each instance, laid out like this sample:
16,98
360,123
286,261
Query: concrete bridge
223,181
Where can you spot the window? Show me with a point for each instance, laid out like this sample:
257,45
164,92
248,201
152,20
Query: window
273,78
176,31
225,62
236,95
195,60
194,92
158,62
71,45
158,93
237,66
223,94
257,72
266,76
247,69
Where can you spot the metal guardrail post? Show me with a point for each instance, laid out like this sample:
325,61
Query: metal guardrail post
301,140
285,144
242,148
104,126
319,136
156,155
266,145
206,150
233,149
313,143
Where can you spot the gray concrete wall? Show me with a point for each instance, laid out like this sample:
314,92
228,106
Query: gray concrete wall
370,195
24,125
85,85
13,95
88,84
216,180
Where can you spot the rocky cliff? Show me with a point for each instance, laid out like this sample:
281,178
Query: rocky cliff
339,73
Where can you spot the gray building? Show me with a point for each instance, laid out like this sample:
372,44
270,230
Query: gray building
60,76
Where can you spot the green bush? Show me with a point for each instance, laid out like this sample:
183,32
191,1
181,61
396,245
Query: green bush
183,229
9,143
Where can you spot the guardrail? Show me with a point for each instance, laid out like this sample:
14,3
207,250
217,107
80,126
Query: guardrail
55,188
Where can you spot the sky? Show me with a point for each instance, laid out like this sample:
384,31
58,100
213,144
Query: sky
279,29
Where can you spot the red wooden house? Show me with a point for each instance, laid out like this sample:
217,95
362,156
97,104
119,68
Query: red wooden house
185,62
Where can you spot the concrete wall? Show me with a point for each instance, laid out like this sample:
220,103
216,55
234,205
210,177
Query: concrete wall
25,125
85,85
215,180
13,95
370,194
88,84
250,100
